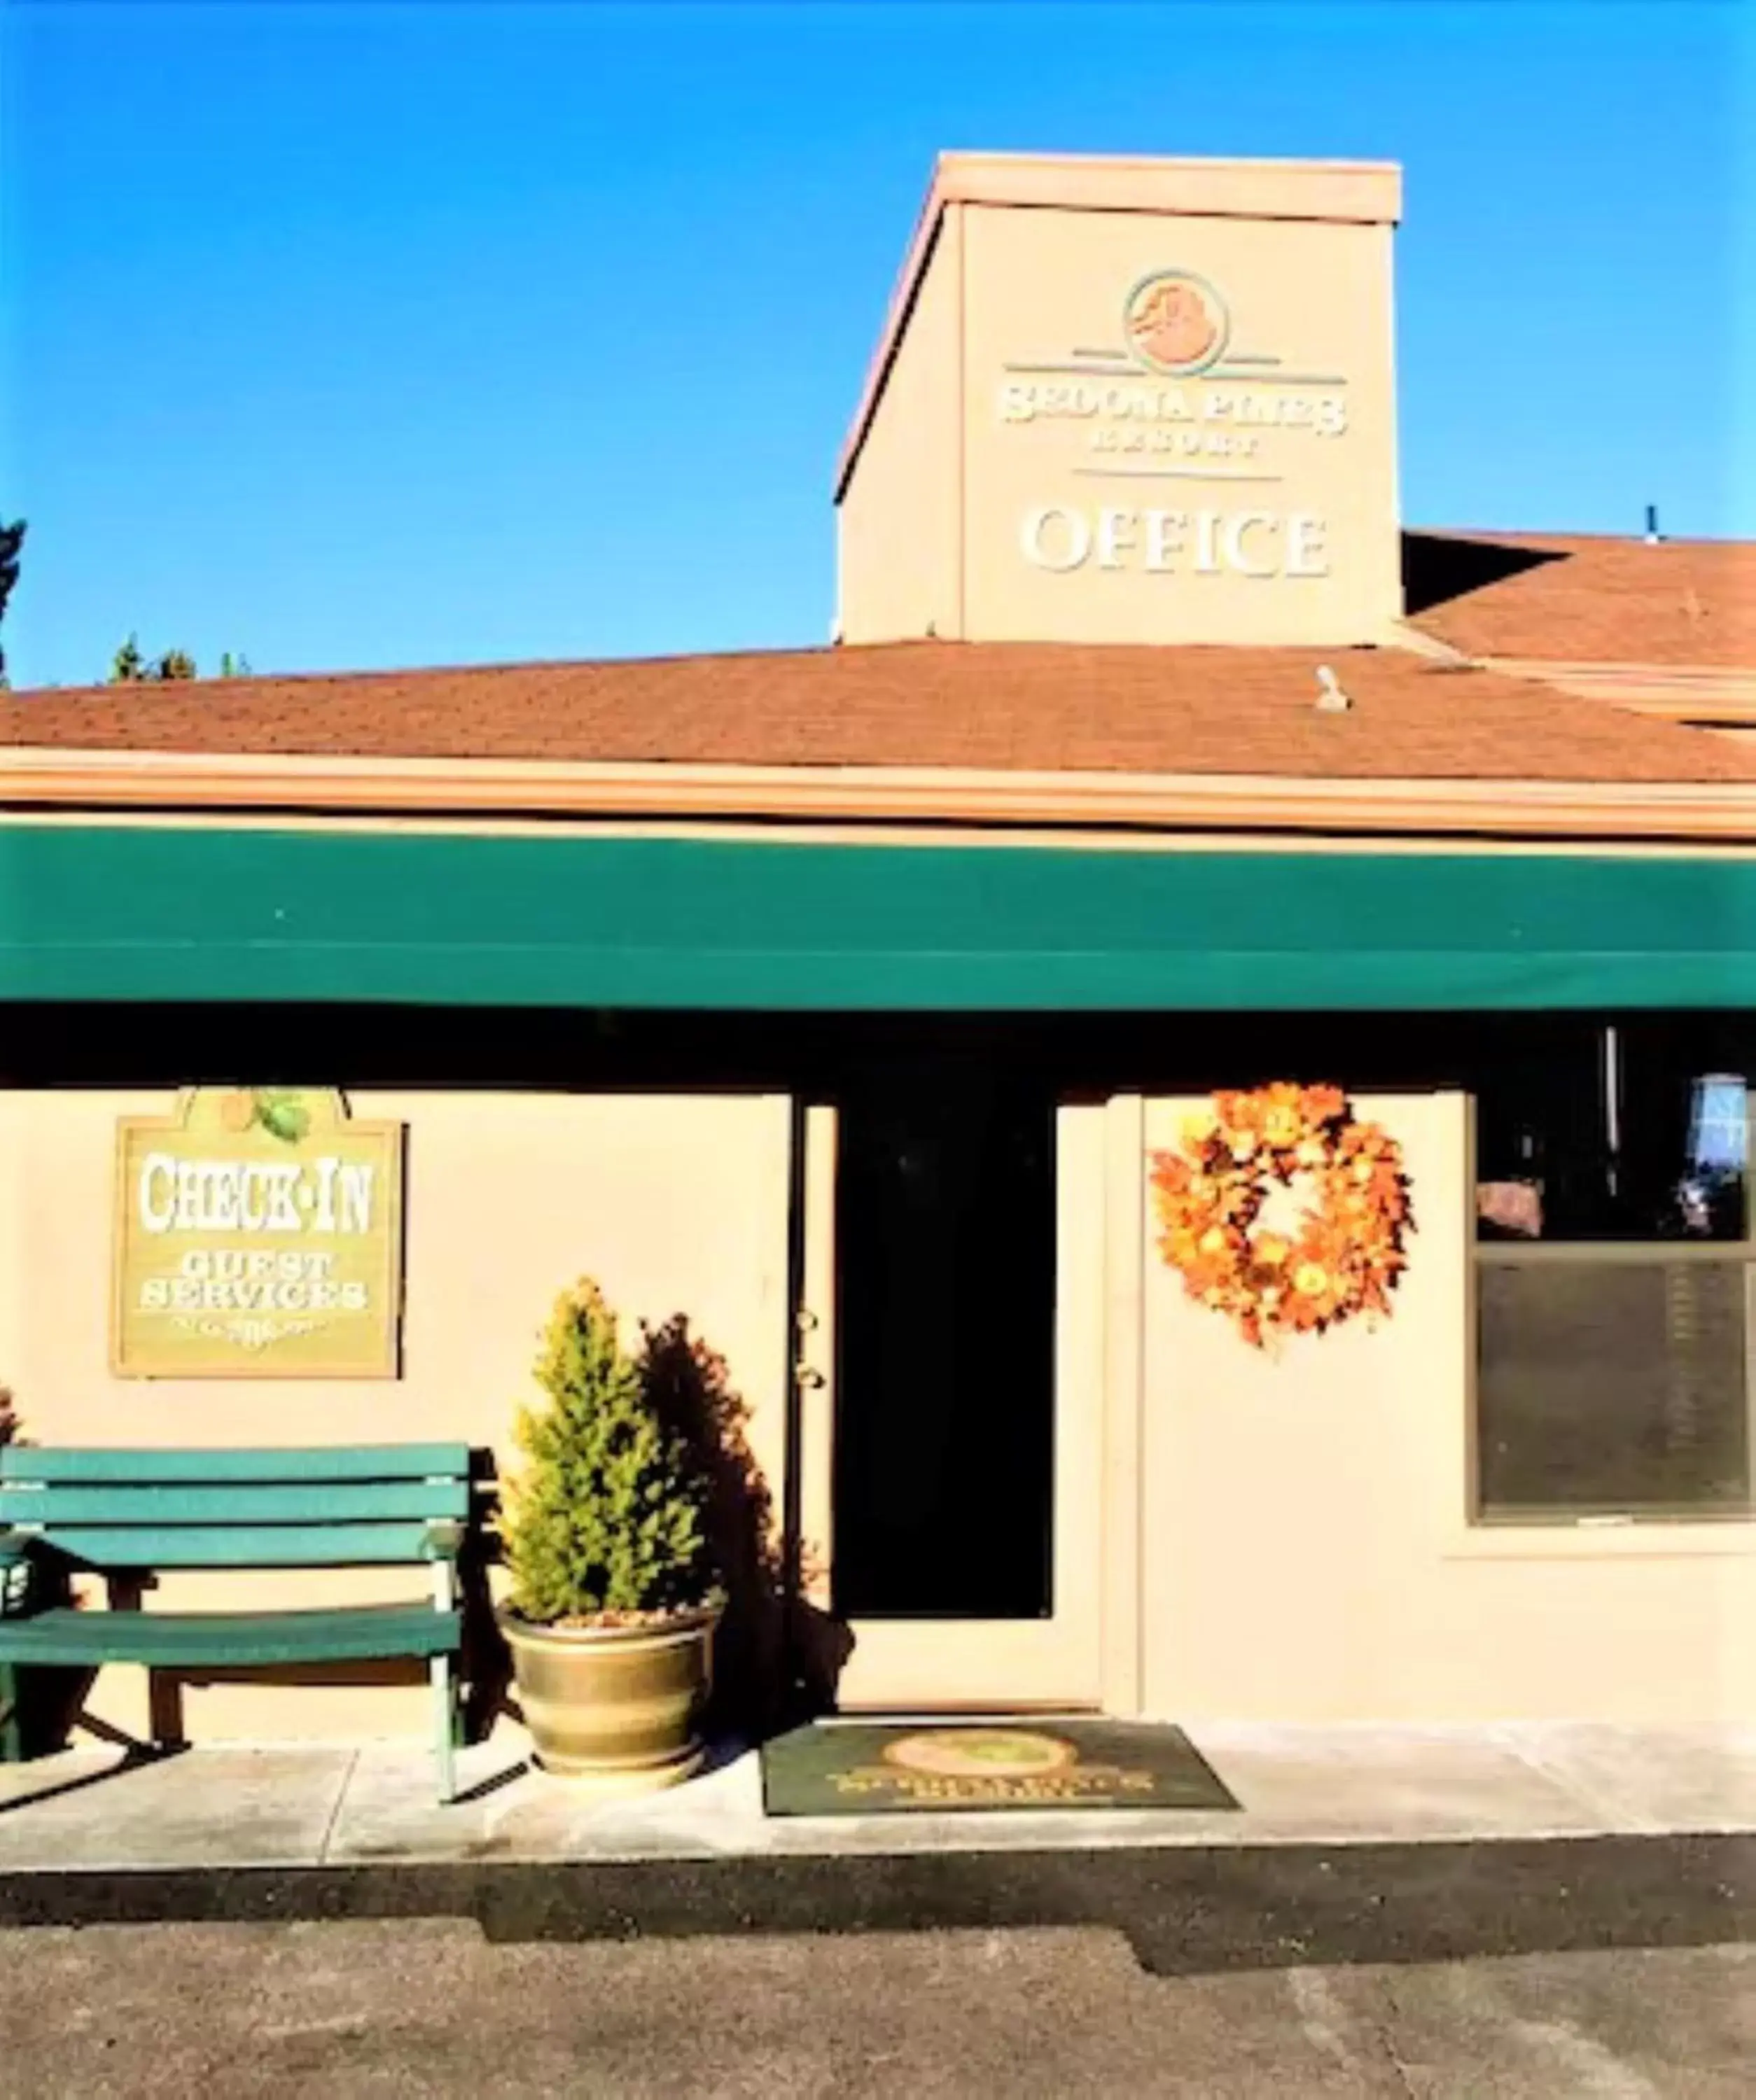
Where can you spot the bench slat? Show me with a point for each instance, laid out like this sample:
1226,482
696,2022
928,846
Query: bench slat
188,1640
324,1501
244,1545
94,1465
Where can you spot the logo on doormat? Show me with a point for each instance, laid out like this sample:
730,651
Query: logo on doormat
993,1767
981,1754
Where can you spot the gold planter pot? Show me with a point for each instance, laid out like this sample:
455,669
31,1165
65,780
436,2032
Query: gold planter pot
617,1706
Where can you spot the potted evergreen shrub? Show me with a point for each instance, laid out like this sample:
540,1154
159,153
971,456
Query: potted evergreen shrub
613,1603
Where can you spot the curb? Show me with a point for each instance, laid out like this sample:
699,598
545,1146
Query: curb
1186,1910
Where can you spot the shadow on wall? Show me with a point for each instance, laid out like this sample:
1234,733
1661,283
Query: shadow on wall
763,1680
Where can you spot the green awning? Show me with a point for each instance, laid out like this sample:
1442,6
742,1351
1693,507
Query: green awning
163,913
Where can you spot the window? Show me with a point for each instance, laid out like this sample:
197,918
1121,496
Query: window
1616,1272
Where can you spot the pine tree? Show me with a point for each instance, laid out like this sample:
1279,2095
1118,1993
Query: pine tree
129,668
11,548
608,1517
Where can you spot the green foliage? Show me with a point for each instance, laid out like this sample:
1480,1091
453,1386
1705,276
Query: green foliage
9,1423
609,1516
128,667
233,667
11,547
282,1114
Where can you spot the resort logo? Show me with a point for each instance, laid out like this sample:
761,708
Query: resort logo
1176,322
1212,444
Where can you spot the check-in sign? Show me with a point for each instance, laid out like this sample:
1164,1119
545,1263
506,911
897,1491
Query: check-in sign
258,1234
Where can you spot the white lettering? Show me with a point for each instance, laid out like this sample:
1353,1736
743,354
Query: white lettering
1232,531
1115,536
326,1167
1164,537
1306,554
224,1195
156,1166
1261,544
1075,532
282,1216
356,1200
1260,405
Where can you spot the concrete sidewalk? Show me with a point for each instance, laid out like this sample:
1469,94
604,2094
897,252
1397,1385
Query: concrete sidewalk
315,1805
1353,1844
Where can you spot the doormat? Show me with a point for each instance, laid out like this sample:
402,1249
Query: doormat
884,1767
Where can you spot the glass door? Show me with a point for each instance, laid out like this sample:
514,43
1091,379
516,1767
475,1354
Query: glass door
951,1348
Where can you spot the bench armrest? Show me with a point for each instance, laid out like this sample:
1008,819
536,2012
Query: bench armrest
443,1539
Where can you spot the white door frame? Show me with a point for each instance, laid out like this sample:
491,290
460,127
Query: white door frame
1086,1655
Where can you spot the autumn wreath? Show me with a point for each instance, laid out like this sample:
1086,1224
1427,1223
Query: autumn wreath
1345,1252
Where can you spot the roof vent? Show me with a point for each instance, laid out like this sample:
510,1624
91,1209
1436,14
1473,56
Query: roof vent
1653,536
1331,700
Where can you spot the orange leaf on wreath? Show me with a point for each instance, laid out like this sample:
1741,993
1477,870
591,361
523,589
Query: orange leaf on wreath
1348,1252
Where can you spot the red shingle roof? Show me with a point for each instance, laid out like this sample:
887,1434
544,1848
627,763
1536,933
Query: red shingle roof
1001,705
1545,597
1579,599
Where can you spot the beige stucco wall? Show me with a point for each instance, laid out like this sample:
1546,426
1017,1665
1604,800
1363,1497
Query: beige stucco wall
1316,295
897,526
1025,473
677,1204
1298,1521
1306,1555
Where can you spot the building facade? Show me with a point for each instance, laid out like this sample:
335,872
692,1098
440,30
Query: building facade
848,1005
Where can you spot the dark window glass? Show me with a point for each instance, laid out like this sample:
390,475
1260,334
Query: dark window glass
1615,1386
944,1464
1634,1131
1612,1377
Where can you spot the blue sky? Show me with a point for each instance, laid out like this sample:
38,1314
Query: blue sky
355,335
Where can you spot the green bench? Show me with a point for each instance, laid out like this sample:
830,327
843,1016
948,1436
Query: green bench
124,1512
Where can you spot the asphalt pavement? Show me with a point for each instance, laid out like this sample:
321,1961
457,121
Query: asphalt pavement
416,2007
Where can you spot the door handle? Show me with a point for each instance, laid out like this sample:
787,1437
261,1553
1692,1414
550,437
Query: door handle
810,1379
